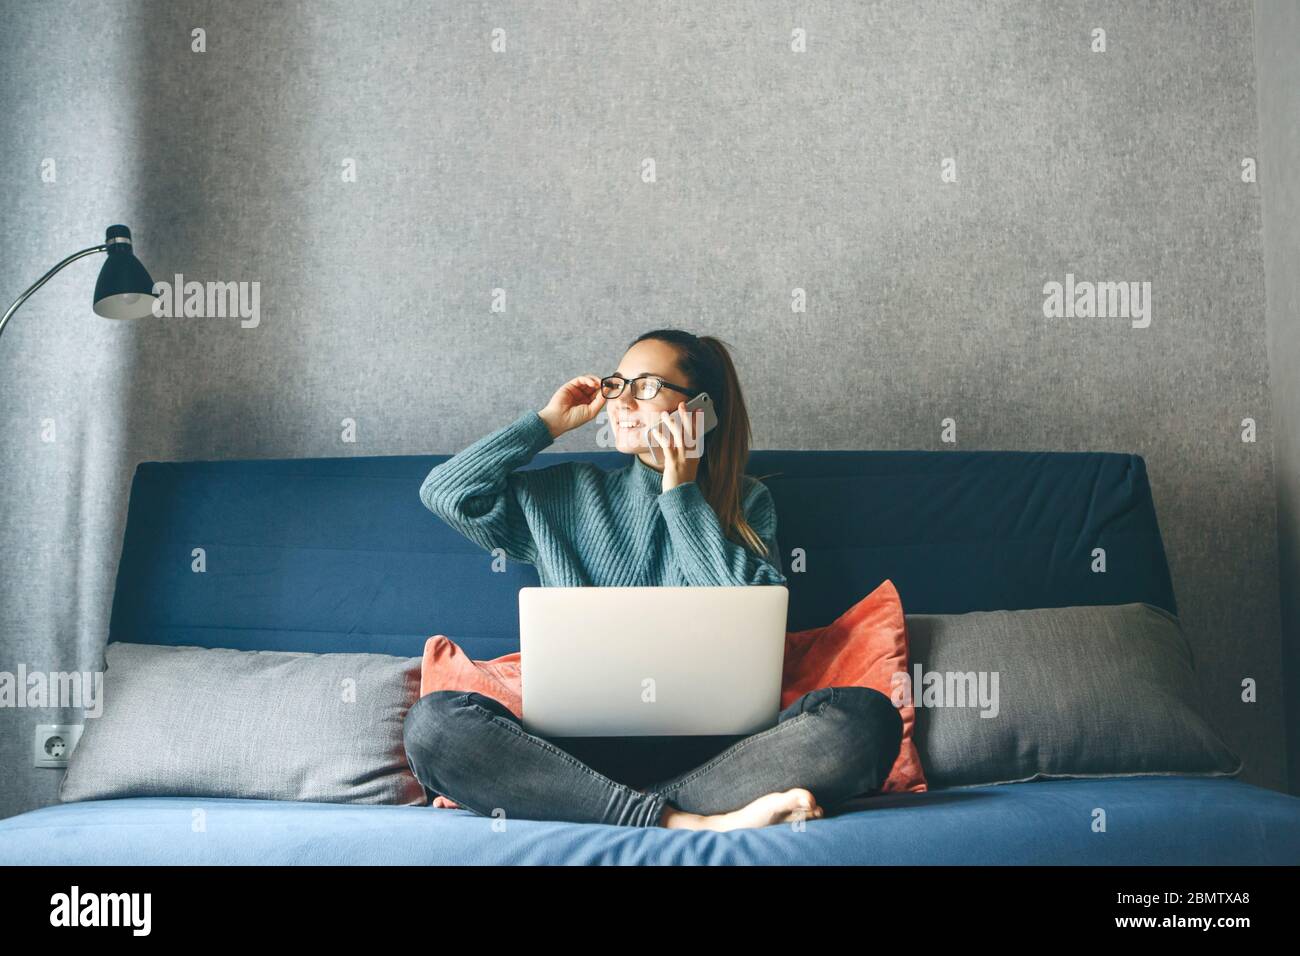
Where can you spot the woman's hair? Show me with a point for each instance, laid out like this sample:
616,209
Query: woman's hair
707,365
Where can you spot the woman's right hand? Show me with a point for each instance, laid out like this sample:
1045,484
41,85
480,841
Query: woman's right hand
575,403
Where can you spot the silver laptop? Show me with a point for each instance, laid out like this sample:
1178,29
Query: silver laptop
651,661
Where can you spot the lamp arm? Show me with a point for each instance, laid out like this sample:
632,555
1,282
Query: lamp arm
46,278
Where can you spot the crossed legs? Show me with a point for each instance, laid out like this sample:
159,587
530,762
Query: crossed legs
831,744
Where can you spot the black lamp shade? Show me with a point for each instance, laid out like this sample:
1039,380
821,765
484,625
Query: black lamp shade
124,289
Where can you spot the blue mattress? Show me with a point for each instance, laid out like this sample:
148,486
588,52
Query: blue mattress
1149,820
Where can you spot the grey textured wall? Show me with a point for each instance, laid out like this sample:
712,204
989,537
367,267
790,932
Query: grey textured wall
1277,46
521,170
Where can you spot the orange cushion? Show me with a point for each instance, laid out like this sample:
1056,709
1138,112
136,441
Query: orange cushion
864,647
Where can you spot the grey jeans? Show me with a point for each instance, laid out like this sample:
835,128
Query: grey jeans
838,742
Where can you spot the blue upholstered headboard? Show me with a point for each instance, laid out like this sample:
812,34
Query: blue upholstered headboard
338,554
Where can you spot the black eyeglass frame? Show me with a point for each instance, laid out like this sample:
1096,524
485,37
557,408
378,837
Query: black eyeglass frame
689,393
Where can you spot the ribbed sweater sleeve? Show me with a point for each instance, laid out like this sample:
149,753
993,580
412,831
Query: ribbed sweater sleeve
476,491
708,557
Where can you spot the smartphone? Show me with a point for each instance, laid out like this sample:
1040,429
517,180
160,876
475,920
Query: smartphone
710,419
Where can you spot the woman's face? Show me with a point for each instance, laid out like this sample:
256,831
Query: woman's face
629,415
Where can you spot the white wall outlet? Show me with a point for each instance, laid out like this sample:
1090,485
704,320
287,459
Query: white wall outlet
54,743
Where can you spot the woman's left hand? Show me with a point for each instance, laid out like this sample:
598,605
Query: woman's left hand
681,463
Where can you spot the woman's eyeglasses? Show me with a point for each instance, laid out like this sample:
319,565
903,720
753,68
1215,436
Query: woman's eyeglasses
644,387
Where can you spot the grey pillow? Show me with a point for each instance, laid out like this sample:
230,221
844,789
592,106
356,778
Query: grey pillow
1105,691
271,725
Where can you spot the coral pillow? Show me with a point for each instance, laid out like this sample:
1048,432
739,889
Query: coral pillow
864,647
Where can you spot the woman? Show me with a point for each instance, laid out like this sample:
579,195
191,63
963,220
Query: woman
696,520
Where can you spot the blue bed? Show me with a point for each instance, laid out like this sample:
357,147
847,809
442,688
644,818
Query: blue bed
339,555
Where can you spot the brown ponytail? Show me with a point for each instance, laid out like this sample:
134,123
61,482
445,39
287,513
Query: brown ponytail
706,362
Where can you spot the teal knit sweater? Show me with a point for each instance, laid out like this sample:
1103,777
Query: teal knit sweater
581,525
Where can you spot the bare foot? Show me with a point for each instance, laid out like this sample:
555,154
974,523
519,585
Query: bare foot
783,807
